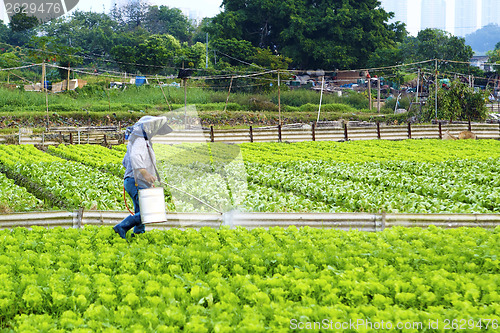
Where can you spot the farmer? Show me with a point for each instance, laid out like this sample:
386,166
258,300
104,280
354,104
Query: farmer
140,167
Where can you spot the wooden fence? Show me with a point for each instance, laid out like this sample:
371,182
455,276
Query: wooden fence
312,132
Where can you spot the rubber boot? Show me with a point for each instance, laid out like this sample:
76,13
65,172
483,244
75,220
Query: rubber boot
128,223
139,229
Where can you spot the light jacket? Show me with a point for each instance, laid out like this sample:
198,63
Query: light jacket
140,154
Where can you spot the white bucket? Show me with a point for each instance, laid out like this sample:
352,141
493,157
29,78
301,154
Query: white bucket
152,205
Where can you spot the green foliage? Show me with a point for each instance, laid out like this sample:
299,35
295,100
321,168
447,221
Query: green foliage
225,280
373,176
385,57
494,56
330,34
359,176
168,21
4,33
91,32
158,51
9,60
436,44
236,49
459,102
62,182
265,58
192,56
390,104
22,22
14,198
327,107
22,28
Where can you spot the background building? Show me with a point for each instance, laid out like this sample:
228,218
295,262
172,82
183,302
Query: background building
433,14
490,12
466,17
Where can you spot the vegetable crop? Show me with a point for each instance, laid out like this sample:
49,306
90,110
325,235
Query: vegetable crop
238,280
411,176
66,183
16,198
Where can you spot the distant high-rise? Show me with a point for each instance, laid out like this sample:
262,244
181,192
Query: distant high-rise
466,16
490,12
398,7
433,14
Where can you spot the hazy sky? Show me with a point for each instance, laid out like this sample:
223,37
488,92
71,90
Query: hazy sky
203,8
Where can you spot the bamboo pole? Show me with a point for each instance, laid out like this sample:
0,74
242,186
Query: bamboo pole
228,93
418,83
436,84
279,97
321,97
46,94
68,78
378,94
163,92
370,92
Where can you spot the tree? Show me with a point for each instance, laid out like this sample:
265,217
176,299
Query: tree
43,48
200,31
126,49
4,33
68,58
171,21
494,56
9,60
192,56
92,32
435,44
22,28
458,102
385,57
158,51
131,15
315,34
230,51
265,58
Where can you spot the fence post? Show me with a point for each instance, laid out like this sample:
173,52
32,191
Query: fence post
105,140
313,128
346,137
70,137
378,130
279,132
212,138
251,133
470,126
440,131
409,130
80,217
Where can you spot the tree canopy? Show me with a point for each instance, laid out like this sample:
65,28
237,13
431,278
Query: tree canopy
271,34
427,45
314,34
